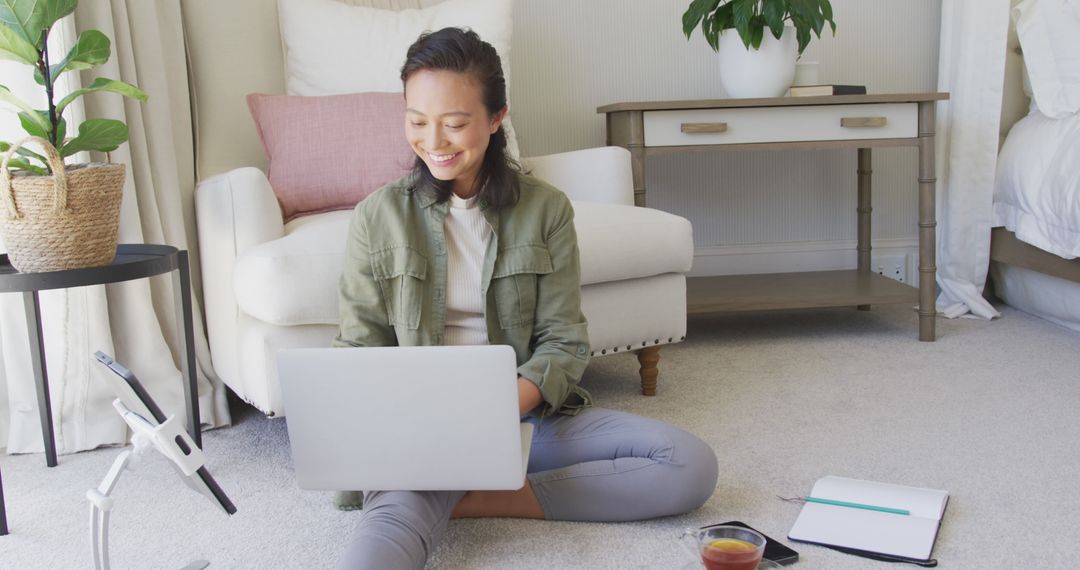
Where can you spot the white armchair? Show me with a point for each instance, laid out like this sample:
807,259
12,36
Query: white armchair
269,285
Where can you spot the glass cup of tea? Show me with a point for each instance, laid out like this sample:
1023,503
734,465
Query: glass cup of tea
725,547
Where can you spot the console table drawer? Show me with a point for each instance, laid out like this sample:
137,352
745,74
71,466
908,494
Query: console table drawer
691,127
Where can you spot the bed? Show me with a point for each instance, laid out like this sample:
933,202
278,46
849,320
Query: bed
1035,244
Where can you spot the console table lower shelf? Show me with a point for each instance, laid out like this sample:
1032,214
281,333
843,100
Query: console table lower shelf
805,290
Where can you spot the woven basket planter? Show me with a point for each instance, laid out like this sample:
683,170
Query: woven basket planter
66,221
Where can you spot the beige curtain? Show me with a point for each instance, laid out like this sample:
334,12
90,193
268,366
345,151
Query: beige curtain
136,321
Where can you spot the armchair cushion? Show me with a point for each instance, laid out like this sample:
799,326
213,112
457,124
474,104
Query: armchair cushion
601,174
293,280
328,153
620,242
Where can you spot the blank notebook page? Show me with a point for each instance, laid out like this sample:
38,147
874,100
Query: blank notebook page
910,536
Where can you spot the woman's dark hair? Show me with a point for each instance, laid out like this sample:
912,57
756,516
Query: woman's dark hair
462,51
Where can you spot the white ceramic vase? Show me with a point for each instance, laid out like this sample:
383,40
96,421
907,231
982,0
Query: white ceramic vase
764,72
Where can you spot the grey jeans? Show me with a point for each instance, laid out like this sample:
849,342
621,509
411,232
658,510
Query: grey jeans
600,465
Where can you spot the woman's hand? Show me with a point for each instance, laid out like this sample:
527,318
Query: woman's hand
528,395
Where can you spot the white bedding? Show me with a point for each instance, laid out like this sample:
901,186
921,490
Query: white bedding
1037,186
1046,296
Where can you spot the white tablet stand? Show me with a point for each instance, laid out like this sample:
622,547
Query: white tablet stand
165,437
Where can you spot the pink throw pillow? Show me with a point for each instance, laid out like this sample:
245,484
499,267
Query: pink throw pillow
329,153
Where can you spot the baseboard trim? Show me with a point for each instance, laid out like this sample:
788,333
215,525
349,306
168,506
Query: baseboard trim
785,257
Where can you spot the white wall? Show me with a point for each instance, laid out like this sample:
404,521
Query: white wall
751,211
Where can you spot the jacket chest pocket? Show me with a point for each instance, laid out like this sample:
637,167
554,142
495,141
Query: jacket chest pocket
401,273
515,283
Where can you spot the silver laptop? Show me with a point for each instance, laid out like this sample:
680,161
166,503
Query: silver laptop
404,418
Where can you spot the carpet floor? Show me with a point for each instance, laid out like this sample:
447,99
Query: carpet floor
988,412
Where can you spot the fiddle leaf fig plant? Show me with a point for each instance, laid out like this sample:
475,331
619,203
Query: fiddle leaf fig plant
24,33
750,18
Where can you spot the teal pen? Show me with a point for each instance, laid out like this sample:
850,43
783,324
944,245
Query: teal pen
857,506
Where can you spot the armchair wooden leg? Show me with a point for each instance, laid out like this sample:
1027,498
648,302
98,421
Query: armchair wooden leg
648,358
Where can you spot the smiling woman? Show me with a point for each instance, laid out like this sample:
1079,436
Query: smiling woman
455,93
448,126
468,250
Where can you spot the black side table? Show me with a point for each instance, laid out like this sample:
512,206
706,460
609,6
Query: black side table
3,512
132,261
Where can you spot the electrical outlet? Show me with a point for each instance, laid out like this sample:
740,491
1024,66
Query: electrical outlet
891,266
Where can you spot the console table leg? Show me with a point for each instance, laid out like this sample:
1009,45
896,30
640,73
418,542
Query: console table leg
32,307
648,358
927,224
627,129
182,298
865,173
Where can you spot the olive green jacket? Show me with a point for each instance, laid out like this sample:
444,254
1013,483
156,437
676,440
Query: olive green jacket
393,285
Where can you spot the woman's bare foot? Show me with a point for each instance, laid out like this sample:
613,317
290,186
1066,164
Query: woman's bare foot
513,504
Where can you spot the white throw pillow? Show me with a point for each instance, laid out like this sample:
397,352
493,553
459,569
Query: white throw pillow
332,48
1049,33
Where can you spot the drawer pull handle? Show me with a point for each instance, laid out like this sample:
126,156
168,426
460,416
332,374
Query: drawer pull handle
704,127
863,122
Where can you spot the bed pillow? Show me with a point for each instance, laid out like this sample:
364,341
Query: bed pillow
333,48
1049,33
328,153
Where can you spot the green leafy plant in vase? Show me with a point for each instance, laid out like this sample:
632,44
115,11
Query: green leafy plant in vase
758,59
57,216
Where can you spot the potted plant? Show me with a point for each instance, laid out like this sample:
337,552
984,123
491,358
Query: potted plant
754,63
55,216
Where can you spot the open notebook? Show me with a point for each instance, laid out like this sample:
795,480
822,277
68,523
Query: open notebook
872,531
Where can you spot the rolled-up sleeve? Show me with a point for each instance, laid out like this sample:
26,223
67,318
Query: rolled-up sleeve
364,321
560,338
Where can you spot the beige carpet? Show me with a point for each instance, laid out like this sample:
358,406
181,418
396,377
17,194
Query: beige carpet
988,412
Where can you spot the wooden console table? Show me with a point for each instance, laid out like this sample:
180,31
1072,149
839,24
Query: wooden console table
841,121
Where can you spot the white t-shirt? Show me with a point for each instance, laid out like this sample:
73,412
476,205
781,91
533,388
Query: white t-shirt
467,237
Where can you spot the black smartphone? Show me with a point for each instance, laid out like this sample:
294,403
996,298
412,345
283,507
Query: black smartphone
138,400
775,550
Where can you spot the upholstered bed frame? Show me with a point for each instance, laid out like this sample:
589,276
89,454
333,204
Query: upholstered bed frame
1004,246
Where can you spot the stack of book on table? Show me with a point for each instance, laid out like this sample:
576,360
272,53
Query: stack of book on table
820,90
